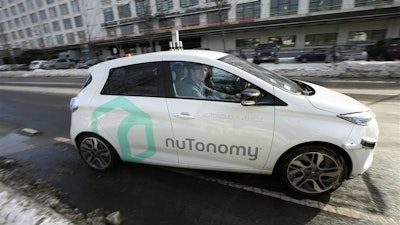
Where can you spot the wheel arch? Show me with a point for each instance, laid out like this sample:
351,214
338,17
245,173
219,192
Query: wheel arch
340,150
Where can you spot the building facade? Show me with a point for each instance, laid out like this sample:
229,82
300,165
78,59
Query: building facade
43,28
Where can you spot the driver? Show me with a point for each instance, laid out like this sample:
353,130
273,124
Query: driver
193,85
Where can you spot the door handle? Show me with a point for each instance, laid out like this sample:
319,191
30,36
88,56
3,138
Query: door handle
184,115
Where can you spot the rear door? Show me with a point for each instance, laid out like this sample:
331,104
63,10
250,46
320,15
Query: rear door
131,112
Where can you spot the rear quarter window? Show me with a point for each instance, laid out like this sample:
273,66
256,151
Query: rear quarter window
134,80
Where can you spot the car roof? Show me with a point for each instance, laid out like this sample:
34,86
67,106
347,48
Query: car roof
182,55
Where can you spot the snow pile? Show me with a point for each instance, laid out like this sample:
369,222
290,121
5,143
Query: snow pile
342,69
287,67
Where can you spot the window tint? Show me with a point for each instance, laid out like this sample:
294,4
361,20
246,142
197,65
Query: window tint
134,80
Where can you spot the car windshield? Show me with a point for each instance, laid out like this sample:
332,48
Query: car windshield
266,46
264,74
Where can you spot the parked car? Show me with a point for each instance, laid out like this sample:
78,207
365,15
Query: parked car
37,64
384,50
318,54
248,119
346,52
268,52
237,53
88,63
59,64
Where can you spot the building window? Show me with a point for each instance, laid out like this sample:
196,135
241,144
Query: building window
217,16
49,1
248,11
39,3
60,39
108,14
21,34
360,3
247,43
127,29
46,28
17,22
21,7
124,11
34,18
164,5
366,36
70,38
323,5
64,9
30,4
188,3
78,21
143,7
111,31
42,15
191,20
321,39
282,8
283,41
105,2
50,41
67,24
81,35
53,12
28,32
75,6
56,26
166,23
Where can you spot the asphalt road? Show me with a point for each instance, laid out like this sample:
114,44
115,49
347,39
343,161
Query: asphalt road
159,195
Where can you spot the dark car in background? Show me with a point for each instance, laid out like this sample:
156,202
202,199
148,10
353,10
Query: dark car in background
88,63
384,50
318,54
59,64
266,53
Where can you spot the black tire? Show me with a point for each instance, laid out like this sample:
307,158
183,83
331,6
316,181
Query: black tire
313,170
303,60
96,152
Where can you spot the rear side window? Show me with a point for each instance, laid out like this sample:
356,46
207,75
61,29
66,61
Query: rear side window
134,80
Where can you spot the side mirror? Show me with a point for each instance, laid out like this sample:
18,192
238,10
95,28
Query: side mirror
249,96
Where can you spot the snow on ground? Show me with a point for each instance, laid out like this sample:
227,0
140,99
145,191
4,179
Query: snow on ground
287,67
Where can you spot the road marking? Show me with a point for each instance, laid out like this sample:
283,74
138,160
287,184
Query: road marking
380,219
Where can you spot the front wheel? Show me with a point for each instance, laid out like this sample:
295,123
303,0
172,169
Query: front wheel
313,170
97,153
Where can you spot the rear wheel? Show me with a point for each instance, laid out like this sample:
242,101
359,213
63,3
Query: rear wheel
313,170
97,152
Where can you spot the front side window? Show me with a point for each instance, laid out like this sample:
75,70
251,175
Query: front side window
264,74
134,80
198,81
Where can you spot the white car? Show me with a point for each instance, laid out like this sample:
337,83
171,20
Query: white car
37,64
156,108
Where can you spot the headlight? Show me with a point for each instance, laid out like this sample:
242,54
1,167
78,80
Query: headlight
74,104
360,118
